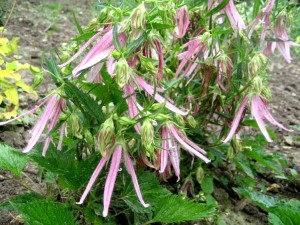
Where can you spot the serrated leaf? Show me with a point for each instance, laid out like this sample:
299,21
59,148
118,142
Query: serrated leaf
12,160
84,102
71,172
288,213
116,37
243,163
174,209
53,69
207,185
263,201
44,212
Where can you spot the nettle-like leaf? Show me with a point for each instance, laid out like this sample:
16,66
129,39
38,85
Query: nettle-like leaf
172,209
71,172
44,212
12,160
85,102
287,213
263,201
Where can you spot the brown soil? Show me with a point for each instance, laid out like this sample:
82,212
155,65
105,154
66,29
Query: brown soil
41,27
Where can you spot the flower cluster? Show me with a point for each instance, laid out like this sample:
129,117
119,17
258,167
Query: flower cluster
174,72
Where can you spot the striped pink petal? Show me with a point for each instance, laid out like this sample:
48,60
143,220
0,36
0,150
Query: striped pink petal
131,171
111,179
256,110
40,125
186,146
93,178
237,119
164,150
182,21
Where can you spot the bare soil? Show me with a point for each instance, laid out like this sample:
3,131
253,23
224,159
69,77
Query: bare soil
45,25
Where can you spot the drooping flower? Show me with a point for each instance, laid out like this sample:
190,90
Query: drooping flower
100,51
190,59
49,117
237,22
283,44
259,110
182,21
112,176
170,153
263,17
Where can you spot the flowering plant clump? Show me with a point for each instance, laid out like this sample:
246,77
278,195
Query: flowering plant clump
160,86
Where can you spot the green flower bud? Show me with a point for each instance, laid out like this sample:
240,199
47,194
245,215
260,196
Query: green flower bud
123,72
138,17
199,174
257,63
106,134
147,134
230,153
191,121
157,106
257,85
88,137
75,126
180,120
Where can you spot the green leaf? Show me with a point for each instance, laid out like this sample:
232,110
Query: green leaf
173,209
116,37
84,102
256,8
207,185
44,212
159,26
77,23
217,8
151,190
243,163
53,69
71,173
12,160
84,37
135,44
263,201
285,214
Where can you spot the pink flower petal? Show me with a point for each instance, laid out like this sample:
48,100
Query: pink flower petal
256,110
111,178
94,177
131,171
236,121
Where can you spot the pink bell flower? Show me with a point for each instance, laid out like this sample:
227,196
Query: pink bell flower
112,176
182,21
260,112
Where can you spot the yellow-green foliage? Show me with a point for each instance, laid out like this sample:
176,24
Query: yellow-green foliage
11,82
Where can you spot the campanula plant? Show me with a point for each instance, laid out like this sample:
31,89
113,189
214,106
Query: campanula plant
158,88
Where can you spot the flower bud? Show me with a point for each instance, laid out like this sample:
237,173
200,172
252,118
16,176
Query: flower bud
257,85
138,17
123,72
147,134
191,121
157,106
257,63
88,137
106,133
230,153
199,174
180,120
75,126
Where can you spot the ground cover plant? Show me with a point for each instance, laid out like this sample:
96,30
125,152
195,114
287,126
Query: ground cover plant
156,91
